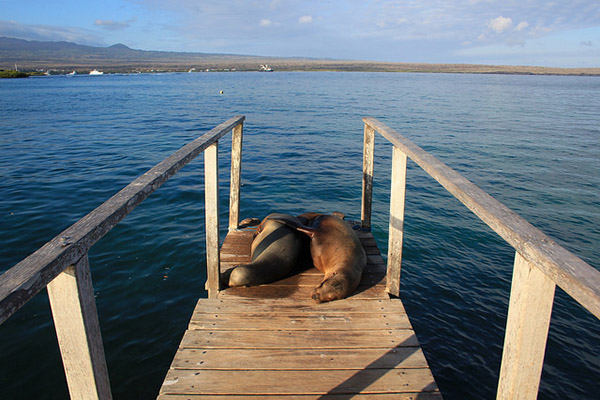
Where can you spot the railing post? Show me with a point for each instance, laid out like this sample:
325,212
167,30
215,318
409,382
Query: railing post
367,181
211,207
77,328
529,312
396,231
236,168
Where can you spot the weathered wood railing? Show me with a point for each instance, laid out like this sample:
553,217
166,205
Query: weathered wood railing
62,263
540,263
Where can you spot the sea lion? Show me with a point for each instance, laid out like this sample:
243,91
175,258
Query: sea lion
275,251
336,251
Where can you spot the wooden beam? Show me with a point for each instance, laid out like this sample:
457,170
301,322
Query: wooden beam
530,308
211,208
396,230
76,322
367,180
236,168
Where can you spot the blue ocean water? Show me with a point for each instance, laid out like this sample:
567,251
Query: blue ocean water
69,143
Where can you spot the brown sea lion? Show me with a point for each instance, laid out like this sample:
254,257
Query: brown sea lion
275,251
336,251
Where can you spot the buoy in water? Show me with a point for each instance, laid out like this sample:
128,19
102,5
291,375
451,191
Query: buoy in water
220,91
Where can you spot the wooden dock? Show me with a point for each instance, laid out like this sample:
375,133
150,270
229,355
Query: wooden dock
275,341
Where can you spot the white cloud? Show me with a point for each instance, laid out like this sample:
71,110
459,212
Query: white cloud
522,25
391,30
541,30
114,25
515,42
500,24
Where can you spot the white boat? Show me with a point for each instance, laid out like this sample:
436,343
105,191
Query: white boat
96,72
265,68
72,73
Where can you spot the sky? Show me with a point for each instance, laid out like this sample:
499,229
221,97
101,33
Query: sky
558,33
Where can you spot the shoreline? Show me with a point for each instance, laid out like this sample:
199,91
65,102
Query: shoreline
303,66
64,57
109,65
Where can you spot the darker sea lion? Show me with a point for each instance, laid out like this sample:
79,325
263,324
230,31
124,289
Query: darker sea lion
336,251
275,251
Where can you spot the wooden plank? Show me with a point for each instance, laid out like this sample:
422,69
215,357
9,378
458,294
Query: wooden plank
292,359
238,236
376,270
313,279
299,321
434,395
211,207
77,328
239,257
234,259
236,169
366,241
366,237
298,381
287,306
396,226
272,291
530,308
201,339
28,277
576,277
367,180
370,271
237,239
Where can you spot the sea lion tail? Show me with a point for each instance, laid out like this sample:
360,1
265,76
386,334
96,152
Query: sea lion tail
293,223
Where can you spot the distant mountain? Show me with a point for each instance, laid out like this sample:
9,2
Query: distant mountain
66,55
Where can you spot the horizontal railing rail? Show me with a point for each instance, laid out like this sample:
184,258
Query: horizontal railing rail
62,263
540,262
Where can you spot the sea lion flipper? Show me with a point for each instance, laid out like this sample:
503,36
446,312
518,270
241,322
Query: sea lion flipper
311,232
293,223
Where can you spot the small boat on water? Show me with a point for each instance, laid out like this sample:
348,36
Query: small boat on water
72,73
96,72
266,68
